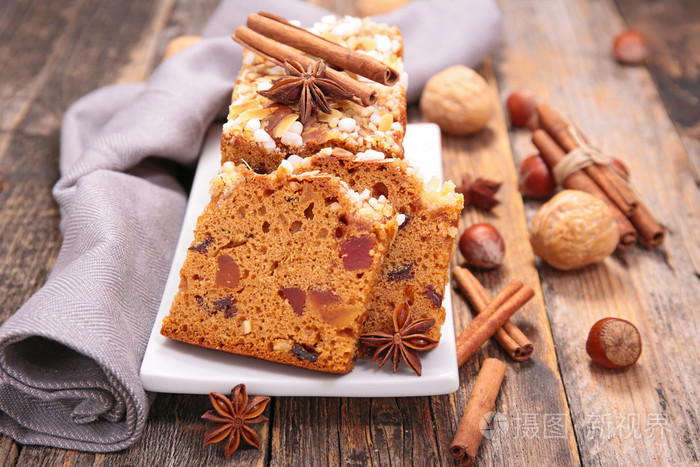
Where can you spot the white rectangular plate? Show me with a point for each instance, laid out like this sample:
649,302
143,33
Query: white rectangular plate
176,367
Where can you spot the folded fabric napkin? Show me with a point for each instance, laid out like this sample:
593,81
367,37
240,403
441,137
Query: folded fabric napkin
70,356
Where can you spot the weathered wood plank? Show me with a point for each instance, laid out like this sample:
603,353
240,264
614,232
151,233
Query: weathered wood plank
649,413
532,390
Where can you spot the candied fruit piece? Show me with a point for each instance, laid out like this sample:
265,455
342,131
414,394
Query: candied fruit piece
303,352
204,246
296,298
402,272
355,252
320,298
228,274
227,305
432,294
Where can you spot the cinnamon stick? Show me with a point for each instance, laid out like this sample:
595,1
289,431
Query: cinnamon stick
509,336
552,154
277,28
494,316
560,130
278,53
651,233
481,401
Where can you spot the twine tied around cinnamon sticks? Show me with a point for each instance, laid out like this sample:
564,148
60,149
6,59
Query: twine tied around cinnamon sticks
583,155
556,143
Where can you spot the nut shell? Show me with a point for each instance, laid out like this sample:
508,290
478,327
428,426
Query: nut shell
459,100
482,246
614,343
574,229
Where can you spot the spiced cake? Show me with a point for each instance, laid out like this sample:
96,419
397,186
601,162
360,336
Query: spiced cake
417,264
261,132
282,267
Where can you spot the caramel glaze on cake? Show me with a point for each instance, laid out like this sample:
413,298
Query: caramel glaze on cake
417,264
282,268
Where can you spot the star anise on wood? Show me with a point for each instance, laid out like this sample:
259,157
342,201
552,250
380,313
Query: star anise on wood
480,192
311,89
408,339
232,417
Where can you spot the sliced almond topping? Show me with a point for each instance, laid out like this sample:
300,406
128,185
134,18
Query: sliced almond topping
235,110
385,122
255,113
284,124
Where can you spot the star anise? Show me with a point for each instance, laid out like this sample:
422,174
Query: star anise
480,192
408,339
311,89
232,417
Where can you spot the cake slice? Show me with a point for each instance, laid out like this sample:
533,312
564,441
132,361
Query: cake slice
262,132
417,265
282,267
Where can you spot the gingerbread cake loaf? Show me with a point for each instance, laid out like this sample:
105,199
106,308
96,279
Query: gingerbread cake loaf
417,264
282,267
262,132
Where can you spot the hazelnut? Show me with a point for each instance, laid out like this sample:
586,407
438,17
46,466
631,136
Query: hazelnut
521,106
458,100
574,229
482,246
621,168
630,47
614,343
534,178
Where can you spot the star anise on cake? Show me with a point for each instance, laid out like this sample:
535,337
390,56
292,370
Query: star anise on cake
480,192
232,417
407,340
311,89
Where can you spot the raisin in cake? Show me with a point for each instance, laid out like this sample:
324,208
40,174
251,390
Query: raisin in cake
282,268
417,265
262,132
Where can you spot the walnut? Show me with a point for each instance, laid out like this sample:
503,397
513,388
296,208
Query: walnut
574,229
458,100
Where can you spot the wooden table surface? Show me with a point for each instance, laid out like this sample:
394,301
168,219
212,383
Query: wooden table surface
559,408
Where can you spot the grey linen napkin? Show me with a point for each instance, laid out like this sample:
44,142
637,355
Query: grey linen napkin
70,356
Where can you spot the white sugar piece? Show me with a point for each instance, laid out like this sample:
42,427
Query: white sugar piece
253,124
297,127
295,22
396,126
365,194
248,58
261,136
270,145
382,199
276,70
264,86
395,45
383,43
228,125
370,155
401,218
295,160
375,118
347,124
286,165
373,202
292,139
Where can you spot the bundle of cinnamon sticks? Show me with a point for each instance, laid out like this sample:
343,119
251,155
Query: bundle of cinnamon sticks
556,138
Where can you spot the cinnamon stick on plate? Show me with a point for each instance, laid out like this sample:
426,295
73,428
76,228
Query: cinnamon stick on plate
509,336
277,28
481,401
278,53
552,154
494,316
